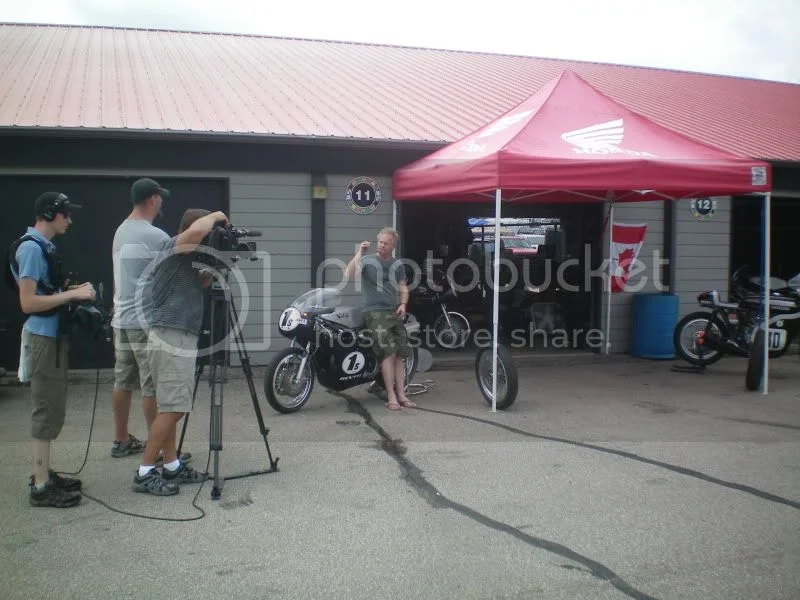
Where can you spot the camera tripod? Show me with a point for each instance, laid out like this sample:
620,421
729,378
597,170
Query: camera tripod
220,320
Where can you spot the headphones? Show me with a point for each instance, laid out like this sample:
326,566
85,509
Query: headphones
57,207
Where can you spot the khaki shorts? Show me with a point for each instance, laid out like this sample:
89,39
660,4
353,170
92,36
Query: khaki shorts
388,334
173,356
132,363
48,383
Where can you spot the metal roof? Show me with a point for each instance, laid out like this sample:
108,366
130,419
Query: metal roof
116,79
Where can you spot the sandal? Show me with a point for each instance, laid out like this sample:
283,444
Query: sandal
407,403
393,405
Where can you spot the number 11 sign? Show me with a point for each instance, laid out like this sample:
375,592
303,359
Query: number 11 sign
363,195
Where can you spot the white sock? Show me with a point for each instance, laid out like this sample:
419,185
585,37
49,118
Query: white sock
174,465
145,469
40,486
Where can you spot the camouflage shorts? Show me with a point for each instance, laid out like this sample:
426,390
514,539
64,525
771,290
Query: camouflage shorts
388,334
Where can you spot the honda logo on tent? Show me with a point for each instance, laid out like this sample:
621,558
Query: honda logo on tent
505,123
496,127
604,138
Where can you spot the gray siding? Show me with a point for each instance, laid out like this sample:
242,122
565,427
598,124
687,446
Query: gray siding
703,254
701,262
279,206
346,230
651,213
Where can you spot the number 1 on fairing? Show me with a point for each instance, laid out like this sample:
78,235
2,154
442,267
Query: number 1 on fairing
353,363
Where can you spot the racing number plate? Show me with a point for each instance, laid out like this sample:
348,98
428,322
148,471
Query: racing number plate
776,339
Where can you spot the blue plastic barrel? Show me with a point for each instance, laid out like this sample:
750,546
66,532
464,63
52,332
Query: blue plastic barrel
654,319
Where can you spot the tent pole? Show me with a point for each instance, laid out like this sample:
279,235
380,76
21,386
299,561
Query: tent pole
765,233
496,295
610,275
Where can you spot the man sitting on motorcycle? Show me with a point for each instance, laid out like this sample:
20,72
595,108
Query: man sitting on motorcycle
385,291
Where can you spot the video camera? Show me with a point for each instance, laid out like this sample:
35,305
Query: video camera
89,317
224,238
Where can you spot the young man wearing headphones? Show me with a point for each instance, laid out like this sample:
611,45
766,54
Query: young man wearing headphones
43,359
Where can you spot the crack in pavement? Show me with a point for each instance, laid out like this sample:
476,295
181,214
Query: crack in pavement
434,497
630,455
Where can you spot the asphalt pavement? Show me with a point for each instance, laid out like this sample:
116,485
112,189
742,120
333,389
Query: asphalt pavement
610,477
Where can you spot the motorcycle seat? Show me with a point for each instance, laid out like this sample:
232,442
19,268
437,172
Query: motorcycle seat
775,284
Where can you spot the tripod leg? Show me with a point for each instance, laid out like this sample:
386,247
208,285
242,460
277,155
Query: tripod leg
248,372
215,438
215,433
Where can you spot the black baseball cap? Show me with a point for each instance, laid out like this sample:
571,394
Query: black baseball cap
142,189
54,202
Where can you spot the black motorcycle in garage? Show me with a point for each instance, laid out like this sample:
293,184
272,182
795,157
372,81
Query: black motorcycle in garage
704,337
428,301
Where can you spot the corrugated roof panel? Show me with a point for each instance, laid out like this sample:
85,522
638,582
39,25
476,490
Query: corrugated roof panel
93,77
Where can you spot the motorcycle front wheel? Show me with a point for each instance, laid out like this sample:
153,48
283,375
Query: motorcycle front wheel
454,335
507,379
755,363
687,332
283,394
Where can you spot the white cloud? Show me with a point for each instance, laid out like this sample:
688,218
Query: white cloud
753,38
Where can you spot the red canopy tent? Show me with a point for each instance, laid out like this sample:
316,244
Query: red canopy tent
570,143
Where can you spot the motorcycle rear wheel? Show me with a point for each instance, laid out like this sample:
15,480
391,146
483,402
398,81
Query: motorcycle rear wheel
281,370
507,377
698,321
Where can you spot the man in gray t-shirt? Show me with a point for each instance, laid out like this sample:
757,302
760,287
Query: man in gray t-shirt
177,317
383,282
135,242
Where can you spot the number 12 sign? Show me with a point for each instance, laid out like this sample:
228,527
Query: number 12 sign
363,195
703,209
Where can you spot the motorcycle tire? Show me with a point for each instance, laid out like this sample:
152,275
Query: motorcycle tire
755,363
507,395
284,357
709,357
453,338
379,383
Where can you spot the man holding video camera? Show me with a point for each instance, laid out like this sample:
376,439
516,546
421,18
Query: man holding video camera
37,273
177,316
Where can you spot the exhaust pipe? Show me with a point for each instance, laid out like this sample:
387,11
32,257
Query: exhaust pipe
728,346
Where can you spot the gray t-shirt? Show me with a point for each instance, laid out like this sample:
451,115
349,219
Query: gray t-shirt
134,246
379,281
177,292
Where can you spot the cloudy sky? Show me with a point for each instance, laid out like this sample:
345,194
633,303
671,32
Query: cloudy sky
747,38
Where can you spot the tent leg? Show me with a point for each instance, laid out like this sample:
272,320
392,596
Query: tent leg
610,275
765,233
496,295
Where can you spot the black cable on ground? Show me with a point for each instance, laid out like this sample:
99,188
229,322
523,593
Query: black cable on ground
117,510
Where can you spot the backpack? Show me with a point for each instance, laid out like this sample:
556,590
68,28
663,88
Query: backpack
54,271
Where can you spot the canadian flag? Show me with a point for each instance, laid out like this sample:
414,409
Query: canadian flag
626,241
